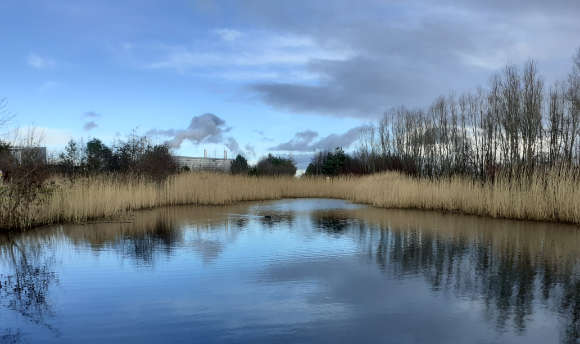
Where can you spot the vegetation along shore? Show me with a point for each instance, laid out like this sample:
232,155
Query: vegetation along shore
547,197
510,150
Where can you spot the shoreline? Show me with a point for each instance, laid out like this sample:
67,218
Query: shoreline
548,198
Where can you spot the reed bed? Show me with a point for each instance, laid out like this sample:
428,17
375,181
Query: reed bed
553,196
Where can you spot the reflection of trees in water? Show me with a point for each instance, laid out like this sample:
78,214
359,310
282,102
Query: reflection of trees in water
570,309
11,336
330,223
160,236
505,278
25,287
337,223
509,279
210,239
163,230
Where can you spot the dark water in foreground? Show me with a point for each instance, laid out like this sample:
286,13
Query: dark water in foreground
298,271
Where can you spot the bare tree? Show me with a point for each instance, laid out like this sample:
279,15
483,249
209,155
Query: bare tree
556,123
531,120
514,125
573,98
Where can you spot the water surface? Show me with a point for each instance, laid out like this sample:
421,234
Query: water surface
300,271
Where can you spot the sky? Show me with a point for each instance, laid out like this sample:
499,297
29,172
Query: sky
259,76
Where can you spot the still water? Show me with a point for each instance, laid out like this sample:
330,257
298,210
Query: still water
299,271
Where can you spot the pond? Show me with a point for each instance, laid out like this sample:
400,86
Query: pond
300,271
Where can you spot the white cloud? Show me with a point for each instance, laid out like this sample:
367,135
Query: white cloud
39,62
257,50
48,86
228,34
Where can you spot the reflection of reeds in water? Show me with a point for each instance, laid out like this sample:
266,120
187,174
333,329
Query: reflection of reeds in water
552,197
165,225
540,239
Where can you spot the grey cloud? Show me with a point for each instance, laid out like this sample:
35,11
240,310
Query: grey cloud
263,136
542,6
301,142
91,114
90,126
233,146
344,140
410,52
207,128
250,150
304,141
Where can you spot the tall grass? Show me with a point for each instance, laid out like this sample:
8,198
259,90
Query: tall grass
554,196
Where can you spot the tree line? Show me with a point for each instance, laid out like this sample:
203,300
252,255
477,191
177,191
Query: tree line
267,166
135,155
516,124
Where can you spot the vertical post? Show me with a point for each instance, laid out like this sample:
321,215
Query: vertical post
225,154
205,153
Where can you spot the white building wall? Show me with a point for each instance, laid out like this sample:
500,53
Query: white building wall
204,164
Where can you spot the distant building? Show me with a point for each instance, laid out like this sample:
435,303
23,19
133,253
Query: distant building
36,154
205,164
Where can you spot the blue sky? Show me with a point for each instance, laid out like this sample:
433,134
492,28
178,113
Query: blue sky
277,76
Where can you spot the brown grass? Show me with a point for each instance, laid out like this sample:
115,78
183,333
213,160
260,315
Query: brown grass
548,197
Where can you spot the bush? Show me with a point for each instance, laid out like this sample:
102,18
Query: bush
99,156
157,162
5,158
275,166
330,164
23,188
239,165
135,156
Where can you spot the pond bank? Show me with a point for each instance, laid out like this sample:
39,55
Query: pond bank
551,197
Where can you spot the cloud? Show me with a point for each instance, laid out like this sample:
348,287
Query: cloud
49,85
233,145
91,123
344,140
235,148
90,126
252,57
304,141
263,136
39,62
408,52
341,59
250,150
91,114
228,34
301,142
206,128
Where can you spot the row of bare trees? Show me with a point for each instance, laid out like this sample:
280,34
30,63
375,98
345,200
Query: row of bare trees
516,124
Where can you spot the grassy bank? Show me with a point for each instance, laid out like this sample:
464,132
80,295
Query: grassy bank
549,197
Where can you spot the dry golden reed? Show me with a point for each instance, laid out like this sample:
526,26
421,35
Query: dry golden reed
547,197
